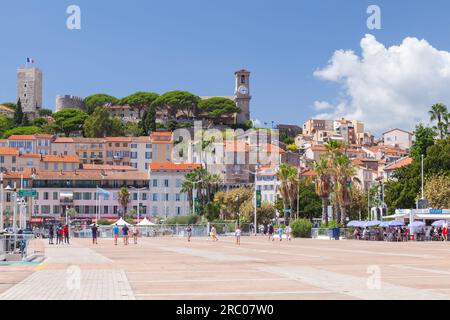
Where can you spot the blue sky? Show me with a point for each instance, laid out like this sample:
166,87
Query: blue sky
196,45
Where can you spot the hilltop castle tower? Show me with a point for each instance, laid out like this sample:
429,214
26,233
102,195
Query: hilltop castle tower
242,95
29,90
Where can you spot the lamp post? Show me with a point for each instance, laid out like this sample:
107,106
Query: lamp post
14,201
238,200
139,199
255,201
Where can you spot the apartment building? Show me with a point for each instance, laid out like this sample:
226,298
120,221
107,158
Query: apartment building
398,138
37,144
162,146
166,180
118,151
59,163
141,153
267,182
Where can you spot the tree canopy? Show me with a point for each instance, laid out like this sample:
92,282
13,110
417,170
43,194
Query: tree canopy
45,112
177,101
22,131
98,100
100,124
424,138
5,124
69,121
217,107
141,101
404,189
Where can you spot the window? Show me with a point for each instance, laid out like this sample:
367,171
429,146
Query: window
178,210
77,196
166,183
166,197
155,183
148,155
177,197
14,159
45,209
56,210
178,183
87,196
133,155
155,197
148,146
133,146
144,197
55,195
46,196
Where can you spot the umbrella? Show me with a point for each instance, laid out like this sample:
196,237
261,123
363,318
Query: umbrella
145,223
371,223
416,224
384,224
396,223
439,224
355,223
121,223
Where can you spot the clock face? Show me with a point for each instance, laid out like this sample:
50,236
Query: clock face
243,90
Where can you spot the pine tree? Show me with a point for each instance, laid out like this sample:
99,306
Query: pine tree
25,121
18,114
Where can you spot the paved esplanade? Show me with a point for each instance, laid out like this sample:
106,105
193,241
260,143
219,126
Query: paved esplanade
172,268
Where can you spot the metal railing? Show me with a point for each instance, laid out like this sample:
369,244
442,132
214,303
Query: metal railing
15,244
323,233
198,230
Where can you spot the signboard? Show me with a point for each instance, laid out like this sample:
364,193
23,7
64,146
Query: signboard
27,193
258,199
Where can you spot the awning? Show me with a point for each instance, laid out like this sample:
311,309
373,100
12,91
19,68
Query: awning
397,216
432,216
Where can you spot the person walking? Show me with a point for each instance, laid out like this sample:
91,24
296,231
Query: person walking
214,234
288,231
115,233
280,233
135,232
66,232
94,230
51,233
225,230
60,235
189,232
271,231
445,232
238,235
125,231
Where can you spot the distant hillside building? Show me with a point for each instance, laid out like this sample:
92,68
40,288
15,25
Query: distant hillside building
69,102
7,112
29,90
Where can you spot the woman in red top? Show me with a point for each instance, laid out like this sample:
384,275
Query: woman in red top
405,234
445,232
66,234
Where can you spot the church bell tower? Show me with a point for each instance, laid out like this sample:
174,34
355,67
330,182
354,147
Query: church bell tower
242,95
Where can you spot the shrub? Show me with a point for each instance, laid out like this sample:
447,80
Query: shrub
104,222
182,220
301,228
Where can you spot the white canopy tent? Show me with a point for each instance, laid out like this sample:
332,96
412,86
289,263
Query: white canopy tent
121,223
145,223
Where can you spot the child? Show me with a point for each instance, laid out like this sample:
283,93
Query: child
238,235
280,233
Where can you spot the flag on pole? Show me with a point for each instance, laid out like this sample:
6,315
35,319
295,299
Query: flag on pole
30,60
103,192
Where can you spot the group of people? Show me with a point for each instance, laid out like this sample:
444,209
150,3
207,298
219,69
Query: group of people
125,234
270,231
62,234
402,233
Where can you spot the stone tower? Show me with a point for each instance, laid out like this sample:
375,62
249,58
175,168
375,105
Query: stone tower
67,101
242,95
29,90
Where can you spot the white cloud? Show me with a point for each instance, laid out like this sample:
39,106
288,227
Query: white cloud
387,87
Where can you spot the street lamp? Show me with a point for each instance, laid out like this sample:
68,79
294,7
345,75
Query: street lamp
238,200
138,198
255,196
1,201
14,201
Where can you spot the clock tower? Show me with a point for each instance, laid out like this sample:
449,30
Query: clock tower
242,95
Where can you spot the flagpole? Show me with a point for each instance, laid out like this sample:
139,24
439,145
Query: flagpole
96,206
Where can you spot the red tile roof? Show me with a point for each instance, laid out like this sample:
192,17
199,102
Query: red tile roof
22,137
9,151
71,159
107,167
173,167
403,162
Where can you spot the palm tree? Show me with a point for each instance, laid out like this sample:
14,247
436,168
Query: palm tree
287,175
438,113
323,186
124,198
344,172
